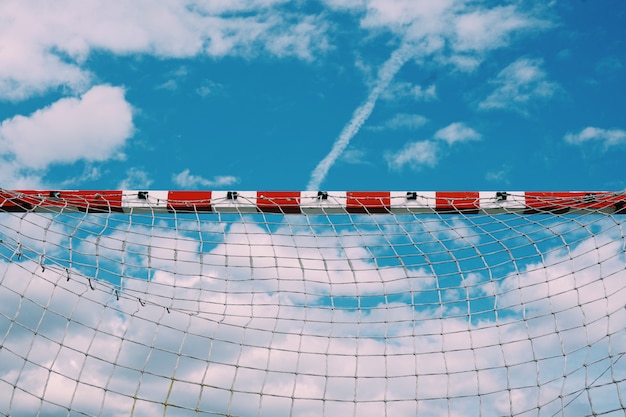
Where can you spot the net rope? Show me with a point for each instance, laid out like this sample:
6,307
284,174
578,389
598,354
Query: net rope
332,314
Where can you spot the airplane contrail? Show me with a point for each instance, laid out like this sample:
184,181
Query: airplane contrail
385,74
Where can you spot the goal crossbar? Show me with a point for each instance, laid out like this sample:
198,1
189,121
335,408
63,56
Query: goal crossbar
312,202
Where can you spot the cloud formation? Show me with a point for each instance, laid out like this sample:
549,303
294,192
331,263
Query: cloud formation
416,155
518,85
385,74
68,31
457,133
470,29
607,137
402,121
56,56
187,180
92,127
48,48
136,178
399,90
449,31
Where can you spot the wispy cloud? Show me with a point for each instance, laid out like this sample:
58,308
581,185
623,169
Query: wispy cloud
402,121
608,137
187,180
400,90
90,173
499,175
345,4
172,83
386,73
456,133
209,88
135,178
519,84
416,155
609,66
354,156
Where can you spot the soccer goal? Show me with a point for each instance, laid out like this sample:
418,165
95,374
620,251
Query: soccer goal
199,303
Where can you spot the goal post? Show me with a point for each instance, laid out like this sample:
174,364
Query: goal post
273,303
309,202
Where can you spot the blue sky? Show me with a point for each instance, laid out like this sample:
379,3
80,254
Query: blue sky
253,94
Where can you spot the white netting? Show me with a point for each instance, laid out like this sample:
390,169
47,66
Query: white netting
210,314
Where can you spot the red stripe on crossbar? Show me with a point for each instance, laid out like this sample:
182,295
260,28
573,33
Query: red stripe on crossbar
92,201
564,201
368,201
464,201
189,201
278,201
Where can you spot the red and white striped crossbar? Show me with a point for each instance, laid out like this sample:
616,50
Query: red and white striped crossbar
127,201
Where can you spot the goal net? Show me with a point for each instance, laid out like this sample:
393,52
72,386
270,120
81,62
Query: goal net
198,303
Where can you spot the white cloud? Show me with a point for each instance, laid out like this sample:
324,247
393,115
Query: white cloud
90,173
233,6
427,153
385,75
345,4
456,133
415,155
26,72
187,180
14,176
305,37
417,18
608,137
93,127
208,88
402,121
170,85
500,175
470,29
354,156
518,85
53,55
46,46
463,62
487,29
400,90
424,29
136,178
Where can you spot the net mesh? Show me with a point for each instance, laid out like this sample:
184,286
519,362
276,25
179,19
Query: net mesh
335,314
